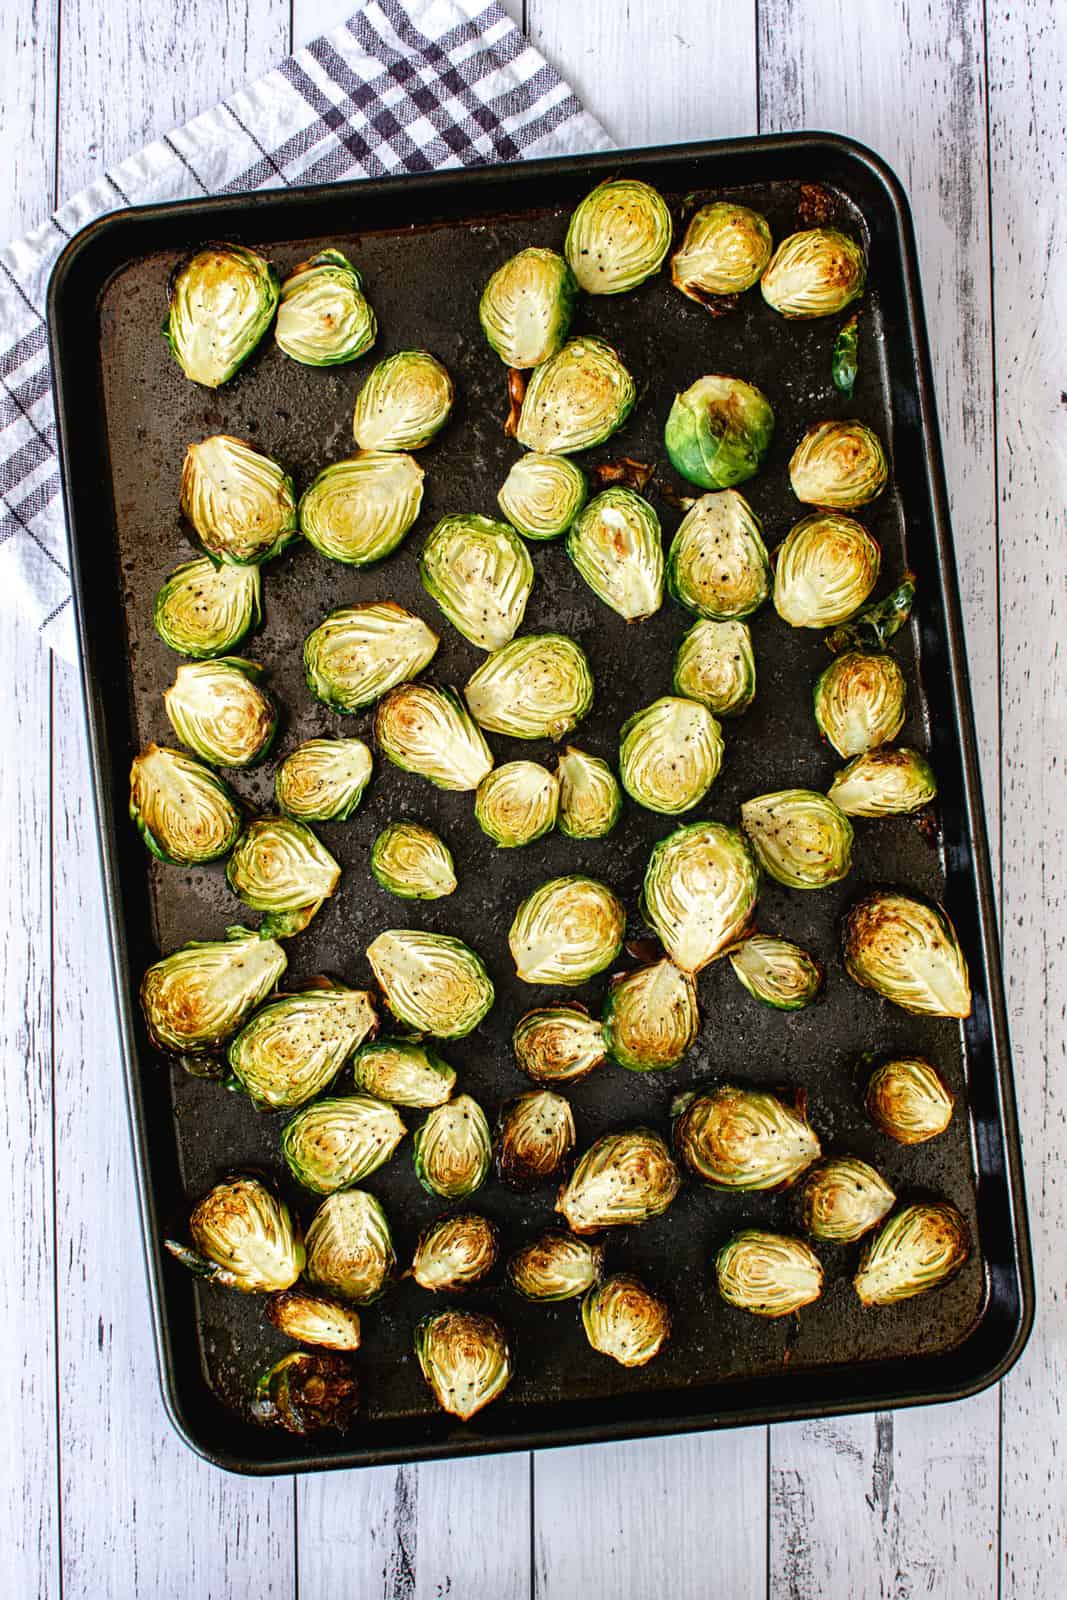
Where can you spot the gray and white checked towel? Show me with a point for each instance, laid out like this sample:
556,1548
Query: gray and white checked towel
403,86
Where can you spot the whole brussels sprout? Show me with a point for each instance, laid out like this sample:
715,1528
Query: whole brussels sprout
919,1248
280,867
777,971
843,1199
651,1018
840,465
453,1150
241,504
886,782
243,1238
800,837
517,803
204,610
406,399
623,1179
196,998
908,1100
557,1044
825,568
618,236
768,1274
314,1319
566,931
589,798
718,565
403,1072
465,1360
431,982
556,1266
743,1139
535,1136
724,252
626,1321
815,273
480,573
324,318
719,431
455,1251
412,862
183,811
527,306
307,1393
670,754
700,892
349,1247
542,495
715,665
577,398
536,687
337,1142
323,780
218,709
221,304
358,653
295,1046
860,702
616,546
908,952
429,731
358,511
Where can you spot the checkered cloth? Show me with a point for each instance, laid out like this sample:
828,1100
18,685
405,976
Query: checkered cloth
403,86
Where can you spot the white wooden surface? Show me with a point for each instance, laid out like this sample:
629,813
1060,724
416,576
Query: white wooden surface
97,1498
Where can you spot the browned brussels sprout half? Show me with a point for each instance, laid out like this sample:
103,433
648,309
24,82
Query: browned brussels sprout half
743,1139
909,1101
843,1199
768,1274
556,1266
907,951
623,1179
314,1319
650,1017
557,1044
455,1251
243,1238
919,1248
626,1321
535,1136
465,1360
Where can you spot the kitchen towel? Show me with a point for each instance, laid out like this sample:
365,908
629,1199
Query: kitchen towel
403,86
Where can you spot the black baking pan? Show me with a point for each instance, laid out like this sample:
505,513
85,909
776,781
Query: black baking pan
426,247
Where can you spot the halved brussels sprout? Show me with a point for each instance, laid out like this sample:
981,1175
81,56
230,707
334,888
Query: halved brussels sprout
815,273
909,1101
412,862
589,798
577,398
183,811
453,1151
777,971
433,983
623,1179
844,365
542,495
307,1393
826,566
218,709
204,610
907,952
618,236
700,892
840,465
718,564
429,731
350,1247
670,754
358,511
843,1199
337,1142
626,1321
480,573
358,653
194,999
617,547
243,1237
406,399
719,431
517,803
650,1017
465,1360
556,1044
556,1266
280,867
536,687
884,783
221,304
526,307
535,1136
323,780
743,1139
241,503
800,837
324,317
916,1250
724,252
860,702
567,931
403,1072
874,626
455,1251
294,1047
314,1319
769,1274
715,664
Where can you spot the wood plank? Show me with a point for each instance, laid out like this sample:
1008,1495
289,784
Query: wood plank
28,114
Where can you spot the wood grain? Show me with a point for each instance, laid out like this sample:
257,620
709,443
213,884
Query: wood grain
28,114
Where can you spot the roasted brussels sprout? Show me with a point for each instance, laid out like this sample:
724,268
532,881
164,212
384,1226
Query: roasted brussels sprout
465,1360
626,1321
452,1149
403,1072
241,503
719,431
204,610
919,1248
616,545
194,999
618,236
336,1143
359,653
307,1393
825,568
769,1274
536,687
743,1139
218,709
221,304
670,754
480,573
840,465
280,867
526,307
909,1101
886,782
860,702
845,362
243,1237
777,971
413,863
815,273
715,665
183,811
557,1044
800,837
455,1251
314,1319
542,495
623,1179
589,798
907,952
358,511
517,803
433,983
406,399
718,565
294,1047
576,399
350,1247
556,1266
650,1017
843,1199
874,626
566,932
534,1138
700,892
324,318
428,731
724,252
323,780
